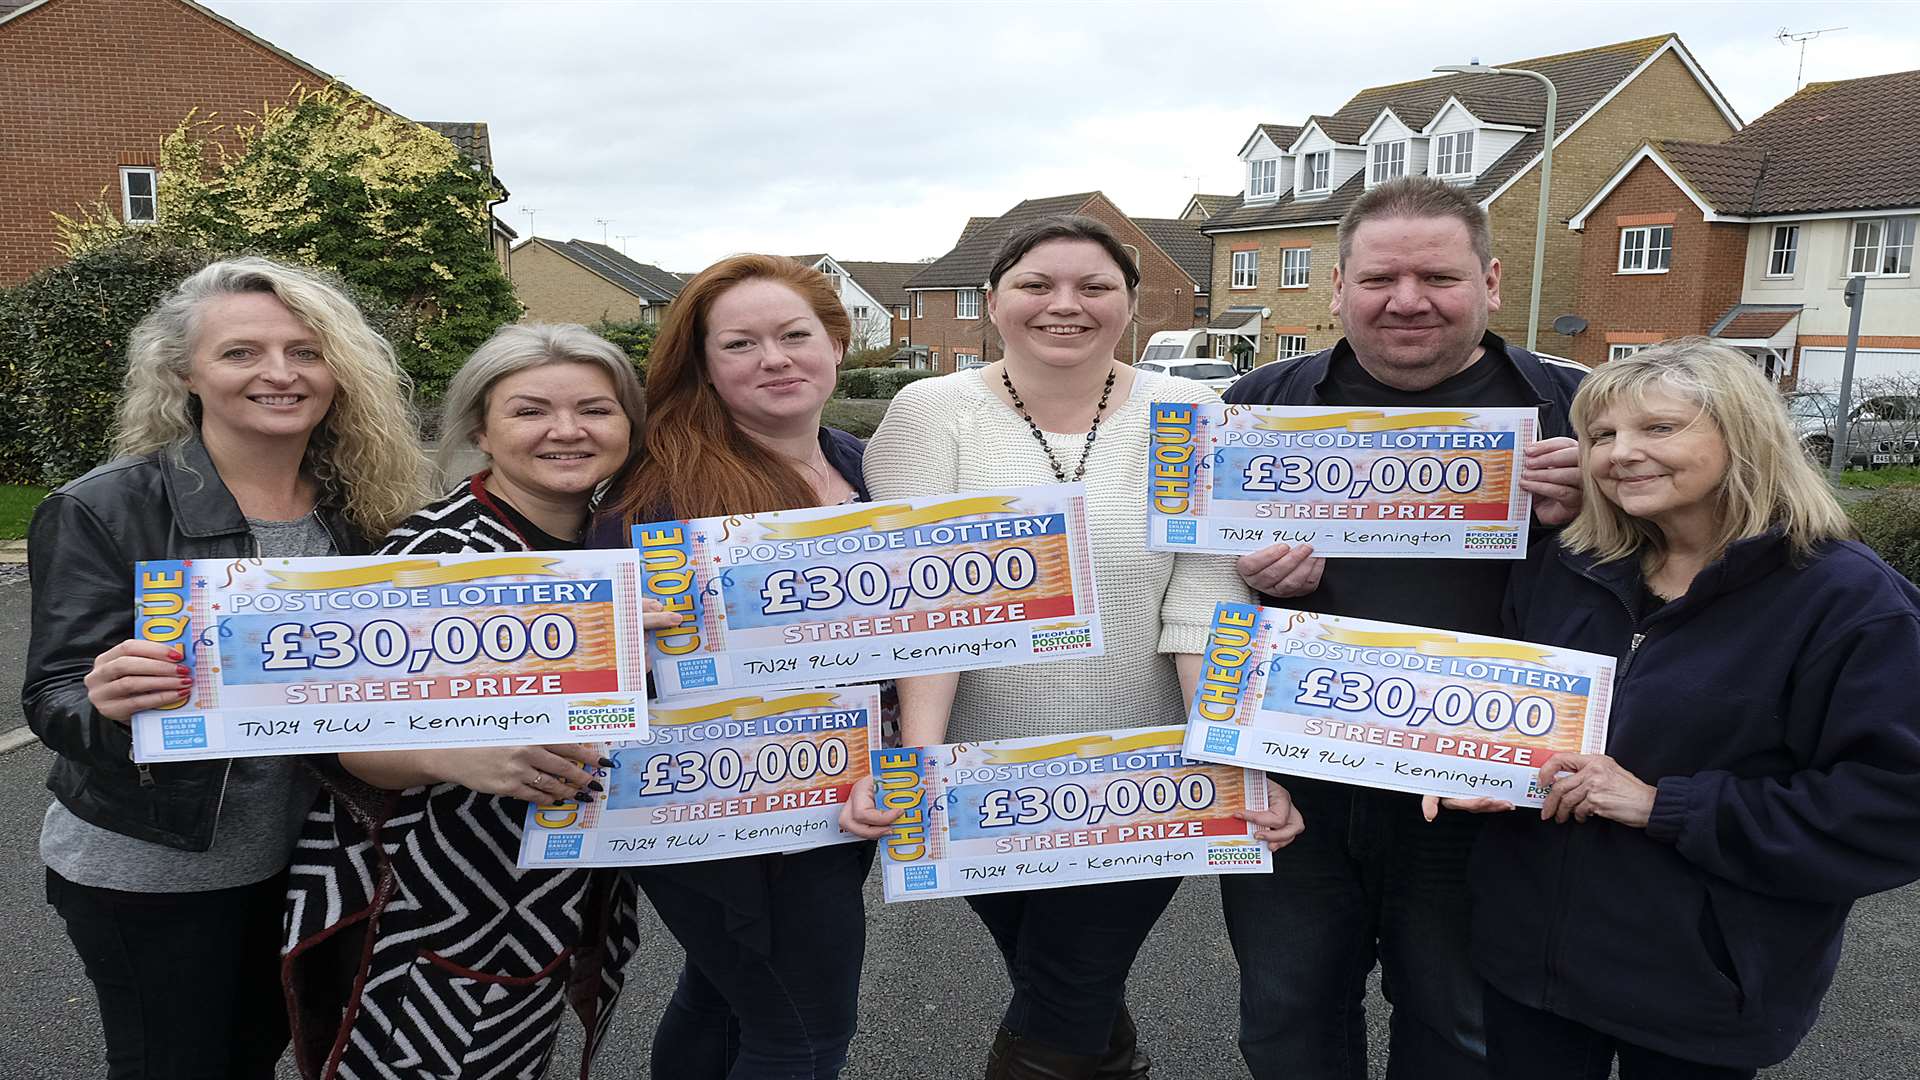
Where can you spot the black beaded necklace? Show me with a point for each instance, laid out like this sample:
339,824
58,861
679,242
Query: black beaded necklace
1040,437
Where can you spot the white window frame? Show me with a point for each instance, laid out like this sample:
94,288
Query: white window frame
966,303
1263,178
1621,352
1889,235
1386,161
1783,259
1639,259
961,358
1316,171
1296,267
902,311
1287,345
1246,275
127,196
919,305
1454,149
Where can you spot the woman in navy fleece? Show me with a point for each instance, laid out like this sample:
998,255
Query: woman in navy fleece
1679,901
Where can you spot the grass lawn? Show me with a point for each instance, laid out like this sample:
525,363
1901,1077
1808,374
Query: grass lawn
16,506
1895,476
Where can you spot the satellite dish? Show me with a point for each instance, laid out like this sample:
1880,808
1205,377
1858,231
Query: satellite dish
1569,325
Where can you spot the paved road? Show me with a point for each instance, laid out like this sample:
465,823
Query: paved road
933,986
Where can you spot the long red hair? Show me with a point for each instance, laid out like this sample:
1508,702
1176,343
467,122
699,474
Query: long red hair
696,461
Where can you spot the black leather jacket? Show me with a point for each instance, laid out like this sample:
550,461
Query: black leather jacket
82,546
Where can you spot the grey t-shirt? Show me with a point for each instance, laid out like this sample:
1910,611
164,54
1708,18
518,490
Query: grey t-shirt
262,804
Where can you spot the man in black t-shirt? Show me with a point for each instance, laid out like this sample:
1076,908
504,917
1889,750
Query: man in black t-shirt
1370,877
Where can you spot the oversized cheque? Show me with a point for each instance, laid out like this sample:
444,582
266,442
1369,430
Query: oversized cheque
1392,706
1388,482
720,777
842,593
378,652
1054,810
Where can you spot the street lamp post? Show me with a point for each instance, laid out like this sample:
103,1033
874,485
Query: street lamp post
1546,180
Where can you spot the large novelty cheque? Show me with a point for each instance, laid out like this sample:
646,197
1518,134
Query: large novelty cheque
393,652
1391,706
1438,484
720,776
1044,811
799,598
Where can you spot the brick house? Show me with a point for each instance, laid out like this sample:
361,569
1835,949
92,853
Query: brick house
88,88
1751,240
576,281
886,282
1275,250
949,294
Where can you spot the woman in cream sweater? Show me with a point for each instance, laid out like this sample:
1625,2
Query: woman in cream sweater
1060,409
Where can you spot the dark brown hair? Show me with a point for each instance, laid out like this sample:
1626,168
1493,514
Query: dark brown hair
1418,197
1062,227
696,461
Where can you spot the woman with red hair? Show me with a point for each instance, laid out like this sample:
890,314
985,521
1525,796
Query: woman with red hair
743,366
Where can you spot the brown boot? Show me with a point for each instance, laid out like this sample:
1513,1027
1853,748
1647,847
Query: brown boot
1124,1060
1014,1057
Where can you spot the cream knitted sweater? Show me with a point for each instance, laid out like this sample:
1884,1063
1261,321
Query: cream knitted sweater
952,434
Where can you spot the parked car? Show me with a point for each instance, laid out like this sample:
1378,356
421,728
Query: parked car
1883,429
1217,374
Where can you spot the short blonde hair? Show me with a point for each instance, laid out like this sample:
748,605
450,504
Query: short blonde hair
518,347
365,453
1770,482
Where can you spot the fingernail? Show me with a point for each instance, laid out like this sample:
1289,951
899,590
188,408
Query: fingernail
583,796
606,763
595,785
186,680
174,653
182,669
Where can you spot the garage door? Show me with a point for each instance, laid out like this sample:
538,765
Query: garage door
1820,365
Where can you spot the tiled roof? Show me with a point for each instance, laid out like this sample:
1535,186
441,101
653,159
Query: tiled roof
1213,204
966,266
808,260
649,283
1582,78
974,223
1833,146
1754,321
1235,317
471,138
1282,134
8,7
1183,240
884,281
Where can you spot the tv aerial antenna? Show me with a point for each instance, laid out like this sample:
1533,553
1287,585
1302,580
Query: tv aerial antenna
1800,38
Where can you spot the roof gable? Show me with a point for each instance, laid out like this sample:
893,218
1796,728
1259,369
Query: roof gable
1280,135
884,281
648,283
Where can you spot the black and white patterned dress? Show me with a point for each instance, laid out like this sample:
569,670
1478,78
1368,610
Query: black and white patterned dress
415,947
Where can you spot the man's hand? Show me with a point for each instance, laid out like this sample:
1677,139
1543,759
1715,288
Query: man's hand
1280,823
1589,784
1551,471
1279,570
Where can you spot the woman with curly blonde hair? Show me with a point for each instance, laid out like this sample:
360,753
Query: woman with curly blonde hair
263,417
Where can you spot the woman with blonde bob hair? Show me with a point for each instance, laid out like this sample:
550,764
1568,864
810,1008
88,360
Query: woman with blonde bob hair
263,417
1762,770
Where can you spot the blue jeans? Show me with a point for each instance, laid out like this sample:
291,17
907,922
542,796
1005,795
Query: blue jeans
1524,1042
1068,952
787,1014
1368,880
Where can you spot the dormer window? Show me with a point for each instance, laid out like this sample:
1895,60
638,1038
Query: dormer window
1262,178
1389,161
1316,171
1453,154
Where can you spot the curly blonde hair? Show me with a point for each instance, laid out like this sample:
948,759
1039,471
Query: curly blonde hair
364,454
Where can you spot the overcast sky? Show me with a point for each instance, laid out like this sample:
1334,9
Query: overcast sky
873,130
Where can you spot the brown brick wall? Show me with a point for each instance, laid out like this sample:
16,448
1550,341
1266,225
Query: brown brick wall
1305,311
556,289
1703,281
1665,102
1166,301
87,84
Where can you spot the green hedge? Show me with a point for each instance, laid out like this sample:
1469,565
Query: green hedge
63,352
877,383
1889,522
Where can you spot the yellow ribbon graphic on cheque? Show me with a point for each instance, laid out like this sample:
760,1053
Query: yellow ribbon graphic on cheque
1085,746
888,518
409,573
1365,420
742,708
1429,643
601,702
